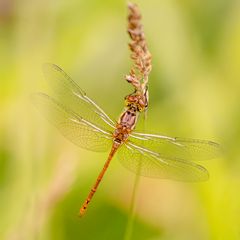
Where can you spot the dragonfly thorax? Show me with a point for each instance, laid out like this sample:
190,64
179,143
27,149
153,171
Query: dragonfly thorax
126,124
129,117
121,134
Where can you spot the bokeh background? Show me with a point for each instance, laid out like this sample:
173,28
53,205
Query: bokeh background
194,92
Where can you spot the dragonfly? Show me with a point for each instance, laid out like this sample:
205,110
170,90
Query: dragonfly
86,124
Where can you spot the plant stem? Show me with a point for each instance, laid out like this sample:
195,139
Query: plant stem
133,206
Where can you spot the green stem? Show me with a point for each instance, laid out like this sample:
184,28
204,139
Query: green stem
130,222
132,211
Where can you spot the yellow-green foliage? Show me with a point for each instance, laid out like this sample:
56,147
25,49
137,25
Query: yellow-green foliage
194,91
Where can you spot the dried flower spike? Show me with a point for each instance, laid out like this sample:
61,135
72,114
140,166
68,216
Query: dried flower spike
140,55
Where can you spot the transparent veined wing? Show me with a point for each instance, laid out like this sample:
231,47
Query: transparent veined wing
78,130
69,94
184,148
145,162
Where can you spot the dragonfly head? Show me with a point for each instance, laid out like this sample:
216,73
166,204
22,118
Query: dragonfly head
137,100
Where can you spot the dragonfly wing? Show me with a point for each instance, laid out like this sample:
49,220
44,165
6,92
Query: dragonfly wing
184,148
69,94
75,128
145,162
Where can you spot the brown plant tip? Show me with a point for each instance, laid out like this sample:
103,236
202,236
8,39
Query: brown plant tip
140,55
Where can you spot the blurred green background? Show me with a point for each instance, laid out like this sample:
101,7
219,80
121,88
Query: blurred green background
194,92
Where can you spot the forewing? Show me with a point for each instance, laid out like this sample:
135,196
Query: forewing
69,94
184,148
75,128
144,162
